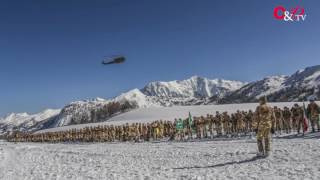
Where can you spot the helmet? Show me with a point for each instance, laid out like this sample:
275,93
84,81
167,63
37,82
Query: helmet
263,100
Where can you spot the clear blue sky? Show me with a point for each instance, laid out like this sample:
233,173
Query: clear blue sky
50,51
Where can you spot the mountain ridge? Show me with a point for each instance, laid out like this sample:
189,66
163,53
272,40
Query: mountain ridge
301,85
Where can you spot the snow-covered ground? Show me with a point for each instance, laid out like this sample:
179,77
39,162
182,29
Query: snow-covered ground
292,158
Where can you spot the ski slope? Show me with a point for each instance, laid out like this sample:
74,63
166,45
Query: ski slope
292,158
170,113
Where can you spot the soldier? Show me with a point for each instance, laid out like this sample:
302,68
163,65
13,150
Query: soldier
172,131
240,122
265,117
278,115
123,132
137,132
145,132
176,130
218,123
287,119
233,124
202,127
140,129
225,122
297,117
208,125
249,121
211,124
132,132
197,126
120,133
126,132
149,128
116,133
313,114
161,129
155,130
113,133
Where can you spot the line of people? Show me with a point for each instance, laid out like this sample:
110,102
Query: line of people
221,124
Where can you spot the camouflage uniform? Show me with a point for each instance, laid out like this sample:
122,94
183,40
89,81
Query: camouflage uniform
249,120
265,121
234,124
161,129
240,123
218,124
287,119
279,117
208,125
226,121
172,130
313,113
198,127
126,132
297,116
155,130
202,127
149,131
211,123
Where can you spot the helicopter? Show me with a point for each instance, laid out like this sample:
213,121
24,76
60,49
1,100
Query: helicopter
114,60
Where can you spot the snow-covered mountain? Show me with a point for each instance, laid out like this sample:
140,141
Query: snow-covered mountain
100,109
195,87
155,94
196,90
252,91
307,78
302,85
193,91
24,121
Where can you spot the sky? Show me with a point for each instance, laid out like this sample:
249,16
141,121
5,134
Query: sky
51,51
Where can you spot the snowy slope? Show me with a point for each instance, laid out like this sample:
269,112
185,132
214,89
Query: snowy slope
137,97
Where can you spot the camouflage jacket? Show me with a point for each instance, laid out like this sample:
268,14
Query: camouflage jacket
265,116
297,111
313,110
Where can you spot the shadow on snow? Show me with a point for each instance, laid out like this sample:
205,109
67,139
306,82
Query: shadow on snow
300,136
221,164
